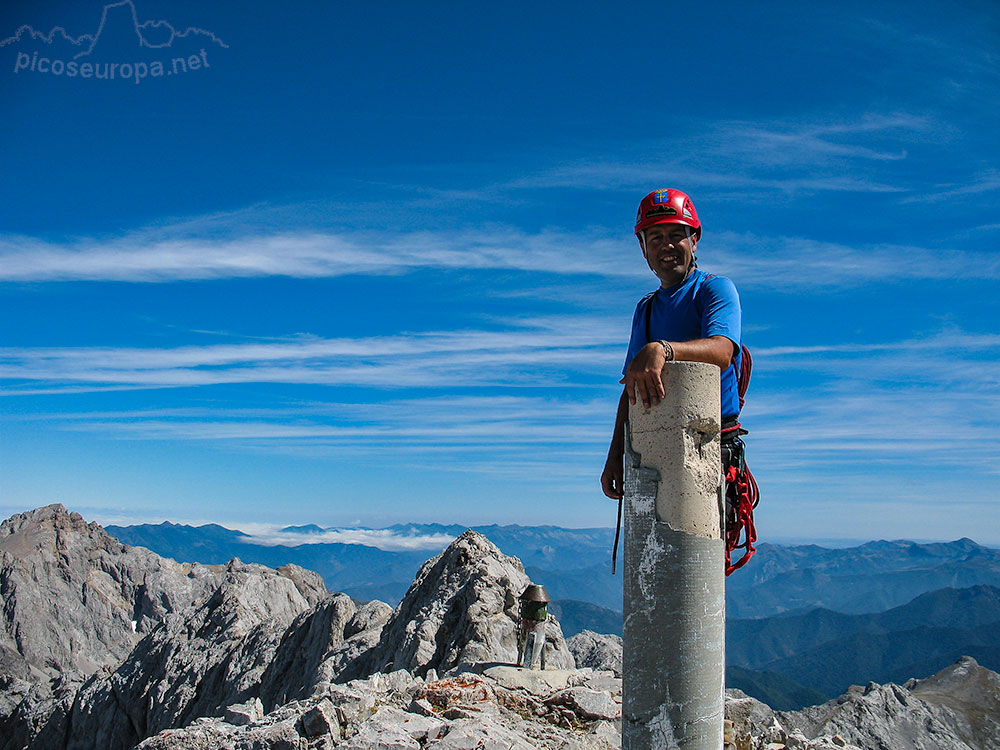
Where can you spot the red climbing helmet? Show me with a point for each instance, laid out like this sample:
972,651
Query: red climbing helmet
667,207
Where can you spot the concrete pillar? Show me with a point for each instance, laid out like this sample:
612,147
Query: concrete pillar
675,618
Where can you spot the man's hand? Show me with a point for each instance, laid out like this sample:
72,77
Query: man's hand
612,479
642,379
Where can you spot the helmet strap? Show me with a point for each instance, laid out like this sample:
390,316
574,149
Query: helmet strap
694,261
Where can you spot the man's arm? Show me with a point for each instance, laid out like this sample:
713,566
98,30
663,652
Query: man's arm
643,378
613,476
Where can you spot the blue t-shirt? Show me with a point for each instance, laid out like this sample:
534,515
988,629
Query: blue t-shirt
702,305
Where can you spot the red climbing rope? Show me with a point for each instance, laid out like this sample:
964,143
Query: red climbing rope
743,496
742,493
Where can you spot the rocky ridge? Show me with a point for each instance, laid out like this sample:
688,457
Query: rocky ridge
158,654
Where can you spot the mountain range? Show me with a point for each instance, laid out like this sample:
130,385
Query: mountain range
811,624
113,646
575,564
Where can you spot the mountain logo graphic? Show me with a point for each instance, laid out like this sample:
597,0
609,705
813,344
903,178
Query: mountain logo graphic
149,35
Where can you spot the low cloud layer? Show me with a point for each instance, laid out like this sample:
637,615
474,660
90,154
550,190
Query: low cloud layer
384,539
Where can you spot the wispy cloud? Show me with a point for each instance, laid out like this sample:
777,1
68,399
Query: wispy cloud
384,539
773,262
482,423
913,410
983,182
805,156
140,257
527,351
799,264
890,404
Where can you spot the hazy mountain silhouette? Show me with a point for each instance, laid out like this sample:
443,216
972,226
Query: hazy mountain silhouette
828,651
575,564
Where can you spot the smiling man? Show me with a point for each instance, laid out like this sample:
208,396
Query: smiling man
693,317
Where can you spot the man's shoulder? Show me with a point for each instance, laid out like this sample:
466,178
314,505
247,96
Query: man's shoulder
645,299
716,283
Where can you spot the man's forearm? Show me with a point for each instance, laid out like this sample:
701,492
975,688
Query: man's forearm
613,476
715,350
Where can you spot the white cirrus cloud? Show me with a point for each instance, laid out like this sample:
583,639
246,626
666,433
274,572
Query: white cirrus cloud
145,257
786,263
529,351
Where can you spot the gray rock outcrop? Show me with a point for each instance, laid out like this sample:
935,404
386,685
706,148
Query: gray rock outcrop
194,665
462,608
398,710
318,645
598,651
75,602
956,709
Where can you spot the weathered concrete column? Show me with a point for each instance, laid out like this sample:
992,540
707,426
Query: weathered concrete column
675,618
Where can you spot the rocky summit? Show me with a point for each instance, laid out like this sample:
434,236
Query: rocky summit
109,646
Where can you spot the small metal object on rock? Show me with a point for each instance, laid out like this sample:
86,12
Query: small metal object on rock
531,631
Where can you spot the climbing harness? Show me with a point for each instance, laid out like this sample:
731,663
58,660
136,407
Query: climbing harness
742,493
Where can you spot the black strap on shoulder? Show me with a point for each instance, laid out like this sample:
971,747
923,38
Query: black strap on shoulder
647,301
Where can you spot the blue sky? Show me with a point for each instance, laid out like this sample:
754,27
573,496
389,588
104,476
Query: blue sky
373,263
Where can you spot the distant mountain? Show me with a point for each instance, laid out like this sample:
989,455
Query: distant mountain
870,578
575,617
829,651
757,643
344,567
593,584
575,564
834,666
310,528
367,572
793,660
777,691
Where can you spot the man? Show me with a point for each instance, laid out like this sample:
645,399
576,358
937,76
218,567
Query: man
693,317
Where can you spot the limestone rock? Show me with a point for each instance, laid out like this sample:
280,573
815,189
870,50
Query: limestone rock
76,600
369,617
75,603
973,693
241,714
191,666
587,704
305,656
321,720
598,651
461,609
956,709
535,681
